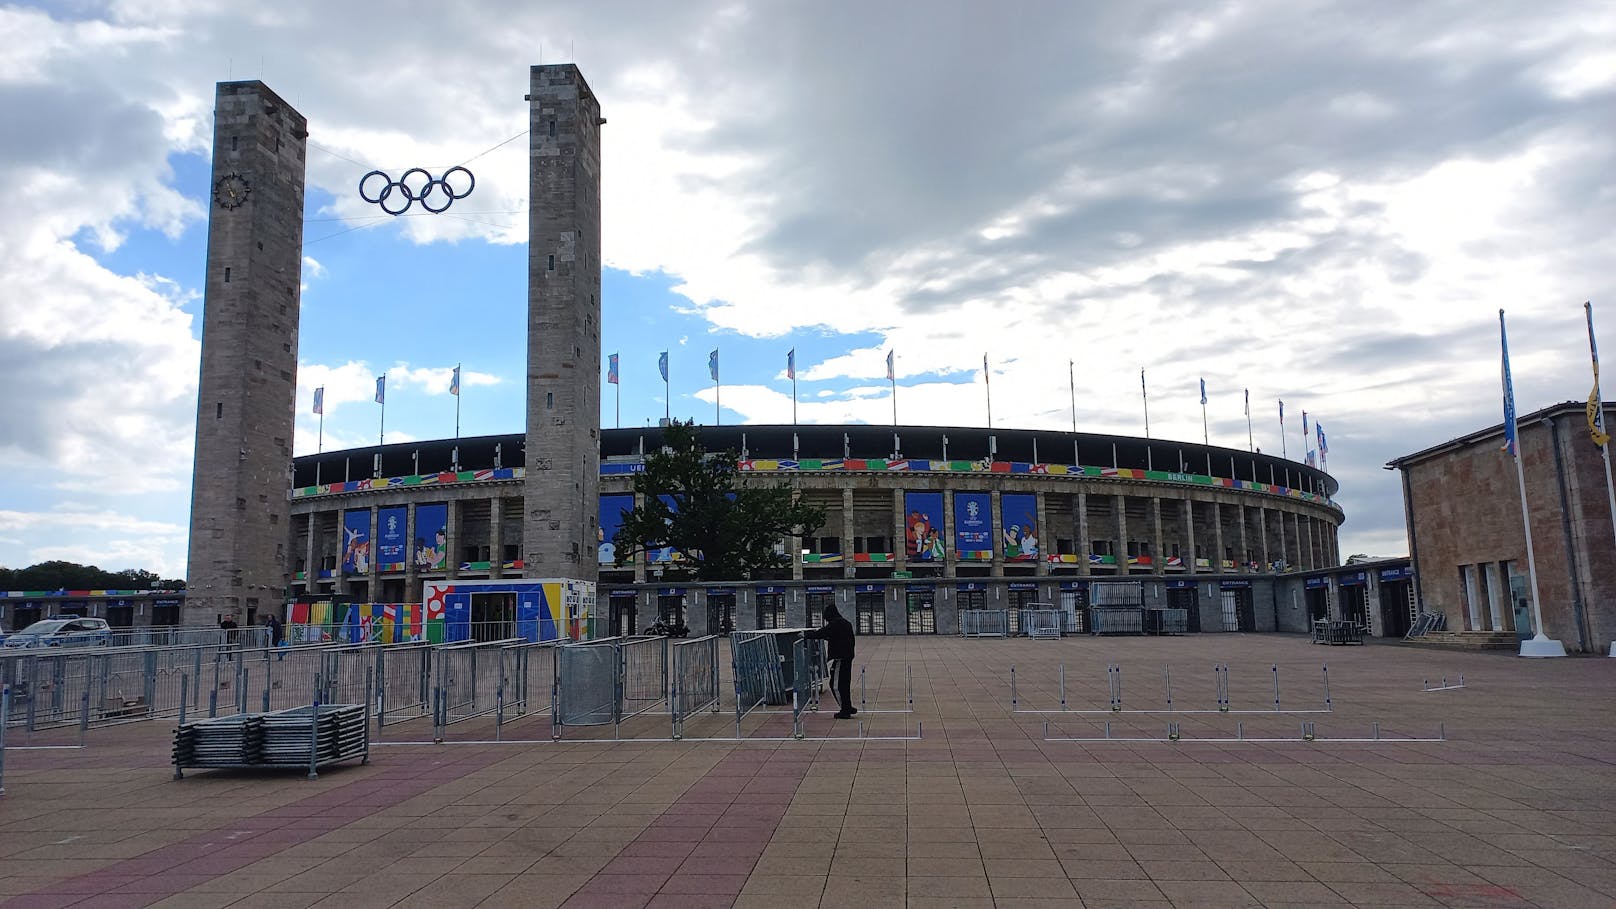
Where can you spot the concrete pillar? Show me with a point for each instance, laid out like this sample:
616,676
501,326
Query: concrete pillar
373,589
451,542
1158,555
412,586
849,568
1120,503
997,536
1189,535
1217,537
311,568
1046,540
1262,534
900,545
1284,552
950,539
1245,544
496,537
1081,518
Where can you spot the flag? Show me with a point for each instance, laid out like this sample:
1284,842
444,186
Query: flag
1596,408
791,363
381,388
1510,429
712,364
662,365
1324,447
454,382
1304,426
1248,402
889,365
984,364
319,400
1203,391
1282,411
611,369
1142,389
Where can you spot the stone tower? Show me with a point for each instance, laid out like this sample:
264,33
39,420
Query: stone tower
560,526
246,399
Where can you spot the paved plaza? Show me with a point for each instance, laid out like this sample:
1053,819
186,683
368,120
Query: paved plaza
990,808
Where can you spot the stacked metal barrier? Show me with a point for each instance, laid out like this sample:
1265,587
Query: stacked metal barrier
694,684
756,664
984,623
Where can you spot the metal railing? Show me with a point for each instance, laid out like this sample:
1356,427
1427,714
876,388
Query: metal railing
527,680
466,682
403,683
694,685
1041,623
756,663
984,623
587,685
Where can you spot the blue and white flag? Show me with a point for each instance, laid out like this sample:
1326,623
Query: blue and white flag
791,363
454,382
662,365
319,400
381,388
1510,441
1324,447
889,365
1203,391
712,364
611,369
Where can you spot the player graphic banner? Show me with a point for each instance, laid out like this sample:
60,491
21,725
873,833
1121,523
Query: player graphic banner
923,528
356,542
431,537
973,525
1019,512
611,518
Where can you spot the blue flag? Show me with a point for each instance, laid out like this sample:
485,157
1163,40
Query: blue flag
662,365
381,389
319,399
454,382
611,369
1203,391
1510,441
791,363
712,364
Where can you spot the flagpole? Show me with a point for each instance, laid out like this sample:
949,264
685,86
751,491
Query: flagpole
892,377
457,401
1071,377
1282,452
381,431
1540,644
320,446
618,420
987,385
718,392
1597,415
1205,437
1144,395
793,397
1251,440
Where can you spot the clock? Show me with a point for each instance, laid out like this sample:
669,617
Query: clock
231,190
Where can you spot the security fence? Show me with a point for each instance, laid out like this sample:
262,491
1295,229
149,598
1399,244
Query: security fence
527,679
608,681
756,664
694,685
403,683
983,623
1042,623
465,682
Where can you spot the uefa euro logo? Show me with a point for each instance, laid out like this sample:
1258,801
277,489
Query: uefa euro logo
971,508
392,525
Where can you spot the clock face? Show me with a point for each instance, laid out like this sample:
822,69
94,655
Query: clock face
231,190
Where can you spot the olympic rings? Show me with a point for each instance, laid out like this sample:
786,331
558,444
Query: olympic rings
425,190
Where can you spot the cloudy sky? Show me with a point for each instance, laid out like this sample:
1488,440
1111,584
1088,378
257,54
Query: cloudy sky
1325,203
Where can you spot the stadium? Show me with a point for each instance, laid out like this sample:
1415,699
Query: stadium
921,522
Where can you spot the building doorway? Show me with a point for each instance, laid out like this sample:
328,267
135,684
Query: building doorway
492,616
621,621
1396,607
870,608
720,613
1238,612
1185,598
922,609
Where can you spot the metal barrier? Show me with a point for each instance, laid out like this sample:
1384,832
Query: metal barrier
527,679
1041,624
808,676
249,637
984,623
1170,620
644,673
403,683
756,663
1116,620
694,686
587,685
465,682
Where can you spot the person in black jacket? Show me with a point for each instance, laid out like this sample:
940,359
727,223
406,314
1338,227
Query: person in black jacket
837,634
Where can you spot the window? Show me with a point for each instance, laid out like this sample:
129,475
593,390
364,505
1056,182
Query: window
771,608
227,274
830,545
1101,547
816,605
552,128
233,146
218,411
551,268
1469,598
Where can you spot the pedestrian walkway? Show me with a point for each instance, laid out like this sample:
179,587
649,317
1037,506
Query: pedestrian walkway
991,808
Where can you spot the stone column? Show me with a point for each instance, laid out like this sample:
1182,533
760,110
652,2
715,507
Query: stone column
412,586
900,547
373,590
451,542
1245,543
1189,535
1262,534
1120,503
1081,519
849,567
950,539
1046,540
496,536
1158,556
311,569
1217,537
996,536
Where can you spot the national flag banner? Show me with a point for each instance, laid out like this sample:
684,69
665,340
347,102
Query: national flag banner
1248,402
1203,391
1510,442
890,354
791,363
1596,406
662,365
611,369
319,400
454,382
712,364
1324,447
1282,411
381,388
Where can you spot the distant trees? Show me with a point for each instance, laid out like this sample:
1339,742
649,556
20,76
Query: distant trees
59,575
694,502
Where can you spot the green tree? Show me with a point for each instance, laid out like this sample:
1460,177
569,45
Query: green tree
724,525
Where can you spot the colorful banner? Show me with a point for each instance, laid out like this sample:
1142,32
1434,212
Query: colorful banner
431,537
1019,511
356,542
612,508
923,528
392,540
973,525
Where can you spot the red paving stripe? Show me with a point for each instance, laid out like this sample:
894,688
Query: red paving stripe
723,821
161,873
